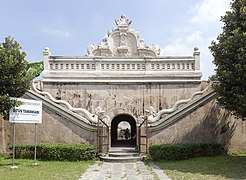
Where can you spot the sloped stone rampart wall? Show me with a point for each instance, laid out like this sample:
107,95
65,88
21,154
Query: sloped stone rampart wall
209,123
53,129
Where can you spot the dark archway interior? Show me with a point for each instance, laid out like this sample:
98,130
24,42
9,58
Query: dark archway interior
131,142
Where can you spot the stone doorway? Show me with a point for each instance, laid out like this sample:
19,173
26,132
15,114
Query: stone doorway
123,131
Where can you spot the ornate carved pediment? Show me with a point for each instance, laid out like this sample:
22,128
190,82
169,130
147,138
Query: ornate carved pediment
123,42
123,23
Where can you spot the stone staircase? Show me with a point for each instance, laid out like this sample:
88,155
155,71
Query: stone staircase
62,111
122,154
183,111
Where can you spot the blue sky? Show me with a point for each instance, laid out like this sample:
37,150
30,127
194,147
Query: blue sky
69,27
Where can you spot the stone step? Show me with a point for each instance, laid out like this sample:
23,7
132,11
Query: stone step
122,159
123,150
123,154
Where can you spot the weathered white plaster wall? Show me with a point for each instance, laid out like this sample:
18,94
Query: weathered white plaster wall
115,99
203,125
210,124
53,129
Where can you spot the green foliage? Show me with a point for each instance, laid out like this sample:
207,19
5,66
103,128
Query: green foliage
15,79
35,68
213,78
229,53
183,151
7,103
57,152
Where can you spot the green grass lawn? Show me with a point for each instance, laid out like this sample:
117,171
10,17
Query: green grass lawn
220,167
44,170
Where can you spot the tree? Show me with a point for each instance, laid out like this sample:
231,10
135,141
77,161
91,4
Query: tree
15,80
35,68
229,53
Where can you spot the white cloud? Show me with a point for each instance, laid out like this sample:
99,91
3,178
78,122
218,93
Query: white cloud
202,27
56,32
180,47
176,48
209,11
206,20
183,45
195,37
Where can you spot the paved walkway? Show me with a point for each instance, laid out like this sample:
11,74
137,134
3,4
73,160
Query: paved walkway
123,171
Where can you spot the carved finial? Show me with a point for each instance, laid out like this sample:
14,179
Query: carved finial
104,43
91,48
151,111
156,49
104,40
47,51
196,49
142,44
123,21
99,111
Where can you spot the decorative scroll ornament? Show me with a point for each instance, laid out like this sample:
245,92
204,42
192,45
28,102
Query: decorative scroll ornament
123,42
153,116
92,118
104,43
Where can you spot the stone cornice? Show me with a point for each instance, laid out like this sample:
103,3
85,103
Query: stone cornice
121,77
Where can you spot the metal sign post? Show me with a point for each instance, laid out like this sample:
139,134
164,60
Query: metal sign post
35,146
29,111
13,160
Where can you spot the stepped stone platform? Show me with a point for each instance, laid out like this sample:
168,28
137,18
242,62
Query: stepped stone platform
124,163
122,154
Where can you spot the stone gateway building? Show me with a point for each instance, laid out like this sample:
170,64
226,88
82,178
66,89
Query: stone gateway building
123,93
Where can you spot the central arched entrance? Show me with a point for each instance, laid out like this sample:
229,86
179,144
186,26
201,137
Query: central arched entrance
123,131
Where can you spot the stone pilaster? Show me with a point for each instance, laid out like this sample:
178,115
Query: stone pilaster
46,54
196,55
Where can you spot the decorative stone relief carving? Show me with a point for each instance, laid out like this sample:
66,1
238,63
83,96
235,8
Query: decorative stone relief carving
123,42
132,45
104,43
153,116
123,21
92,118
91,48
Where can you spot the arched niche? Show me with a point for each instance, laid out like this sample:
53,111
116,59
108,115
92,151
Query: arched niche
117,122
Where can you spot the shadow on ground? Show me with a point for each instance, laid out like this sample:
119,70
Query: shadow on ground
7,161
